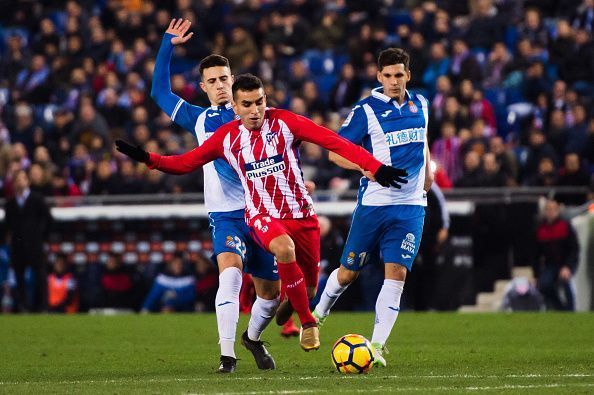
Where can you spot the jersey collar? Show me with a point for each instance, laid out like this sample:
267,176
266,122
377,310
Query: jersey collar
227,106
378,93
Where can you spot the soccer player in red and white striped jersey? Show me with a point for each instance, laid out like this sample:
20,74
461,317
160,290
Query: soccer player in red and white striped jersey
262,147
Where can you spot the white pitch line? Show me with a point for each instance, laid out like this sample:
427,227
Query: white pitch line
411,389
346,377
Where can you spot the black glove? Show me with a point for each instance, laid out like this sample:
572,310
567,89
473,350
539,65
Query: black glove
388,175
136,153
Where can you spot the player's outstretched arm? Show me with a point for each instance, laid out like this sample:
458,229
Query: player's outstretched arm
175,164
181,112
307,130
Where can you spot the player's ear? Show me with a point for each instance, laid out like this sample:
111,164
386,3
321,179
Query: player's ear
232,79
202,86
408,75
379,76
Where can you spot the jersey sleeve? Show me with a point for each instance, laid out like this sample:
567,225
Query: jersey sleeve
180,111
307,130
354,127
191,160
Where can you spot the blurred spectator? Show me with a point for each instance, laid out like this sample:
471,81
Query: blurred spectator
173,290
207,283
464,64
521,295
573,173
119,284
347,89
533,29
539,148
546,175
497,62
62,288
472,175
446,150
506,160
583,17
492,174
557,258
485,25
28,220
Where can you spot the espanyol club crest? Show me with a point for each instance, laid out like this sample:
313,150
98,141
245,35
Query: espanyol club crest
229,242
412,107
350,258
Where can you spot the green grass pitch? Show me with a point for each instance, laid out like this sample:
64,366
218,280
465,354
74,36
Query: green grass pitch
429,353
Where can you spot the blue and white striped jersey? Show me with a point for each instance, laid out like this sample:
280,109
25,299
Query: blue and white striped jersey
223,191
397,136
222,188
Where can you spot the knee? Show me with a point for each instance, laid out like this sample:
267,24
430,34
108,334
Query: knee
284,252
268,293
311,292
346,277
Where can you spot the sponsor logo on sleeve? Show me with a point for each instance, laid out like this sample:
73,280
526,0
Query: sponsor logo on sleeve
265,167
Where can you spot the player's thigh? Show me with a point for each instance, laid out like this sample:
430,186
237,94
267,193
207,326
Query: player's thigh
271,234
402,236
229,237
306,235
364,234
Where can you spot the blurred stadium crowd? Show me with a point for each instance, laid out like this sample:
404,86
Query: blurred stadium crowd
510,83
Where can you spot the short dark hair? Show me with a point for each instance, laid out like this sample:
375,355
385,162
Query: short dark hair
213,61
391,56
246,82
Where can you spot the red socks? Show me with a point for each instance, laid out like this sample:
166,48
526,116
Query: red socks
293,284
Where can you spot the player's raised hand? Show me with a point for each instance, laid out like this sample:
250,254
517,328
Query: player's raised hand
136,153
179,28
388,175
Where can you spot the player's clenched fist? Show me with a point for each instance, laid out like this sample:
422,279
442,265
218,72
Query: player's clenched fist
388,175
136,153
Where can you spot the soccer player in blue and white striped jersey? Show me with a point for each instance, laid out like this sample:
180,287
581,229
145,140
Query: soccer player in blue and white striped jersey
391,124
225,202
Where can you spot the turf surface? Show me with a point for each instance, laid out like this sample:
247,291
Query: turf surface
452,353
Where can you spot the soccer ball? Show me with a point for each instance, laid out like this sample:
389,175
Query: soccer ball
352,354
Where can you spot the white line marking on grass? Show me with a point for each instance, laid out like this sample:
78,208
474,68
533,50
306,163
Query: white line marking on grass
350,377
423,389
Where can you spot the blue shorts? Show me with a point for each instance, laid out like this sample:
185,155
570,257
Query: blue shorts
395,231
231,234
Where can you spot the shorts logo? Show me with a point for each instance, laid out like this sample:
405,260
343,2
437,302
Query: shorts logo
351,258
412,107
262,227
408,244
264,167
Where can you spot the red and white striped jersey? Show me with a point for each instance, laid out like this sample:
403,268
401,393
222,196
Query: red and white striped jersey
267,161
